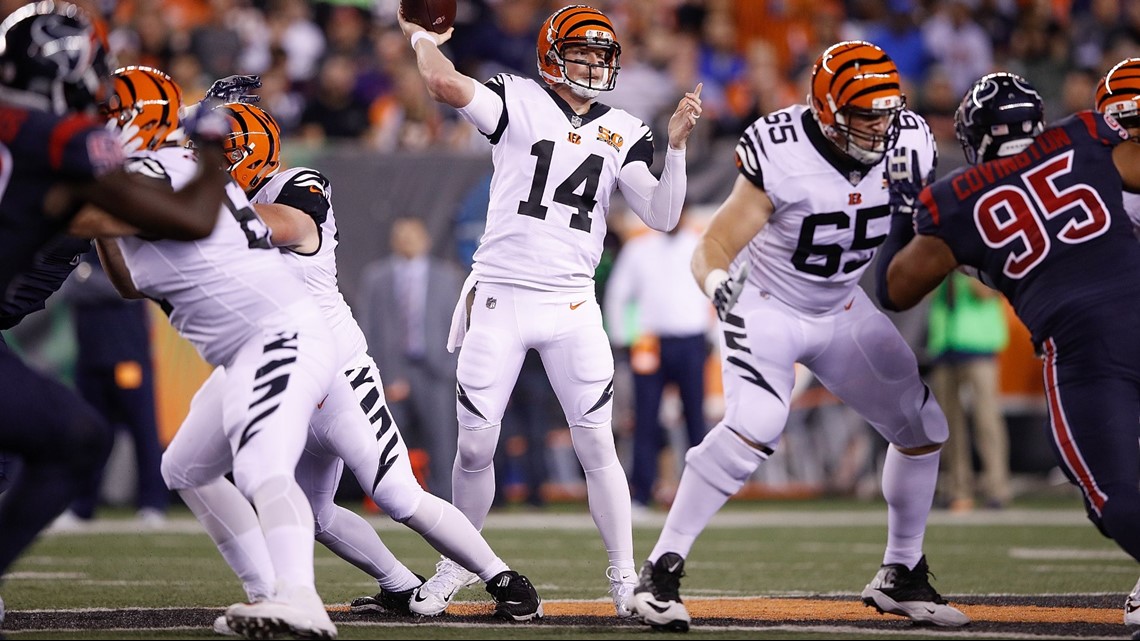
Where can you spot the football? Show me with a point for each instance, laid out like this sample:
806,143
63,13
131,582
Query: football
433,15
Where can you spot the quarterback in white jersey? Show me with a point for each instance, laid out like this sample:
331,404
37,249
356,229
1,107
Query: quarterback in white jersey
351,423
800,226
559,155
237,302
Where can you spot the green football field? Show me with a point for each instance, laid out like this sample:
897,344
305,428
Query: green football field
763,570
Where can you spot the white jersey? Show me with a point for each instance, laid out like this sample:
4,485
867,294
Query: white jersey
1132,208
310,192
554,174
830,214
217,289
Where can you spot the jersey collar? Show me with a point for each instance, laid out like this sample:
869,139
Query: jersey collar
851,169
597,110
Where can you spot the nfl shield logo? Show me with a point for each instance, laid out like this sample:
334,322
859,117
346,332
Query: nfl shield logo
491,302
575,121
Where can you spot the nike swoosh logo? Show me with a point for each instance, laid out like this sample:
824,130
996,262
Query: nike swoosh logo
930,610
418,598
674,567
847,307
660,610
322,403
574,306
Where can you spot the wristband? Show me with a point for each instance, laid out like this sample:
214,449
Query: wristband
422,35
713,281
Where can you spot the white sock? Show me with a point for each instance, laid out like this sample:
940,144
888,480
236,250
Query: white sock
908,487
607,491
231,523
351,538
695,504
473,490
448,531
287,521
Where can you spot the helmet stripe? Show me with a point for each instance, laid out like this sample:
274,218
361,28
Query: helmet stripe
165,99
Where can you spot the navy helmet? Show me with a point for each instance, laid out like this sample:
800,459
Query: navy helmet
999,116
52,59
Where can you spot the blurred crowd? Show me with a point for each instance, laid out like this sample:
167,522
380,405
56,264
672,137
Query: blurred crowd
340,71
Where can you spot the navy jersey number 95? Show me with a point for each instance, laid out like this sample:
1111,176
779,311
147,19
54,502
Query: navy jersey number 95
1047,226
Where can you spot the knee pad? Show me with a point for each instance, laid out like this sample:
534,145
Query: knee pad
476,448
594,446
925,423
323,518
724,460
399,494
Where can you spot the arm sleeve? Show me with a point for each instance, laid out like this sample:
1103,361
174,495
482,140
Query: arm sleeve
657,202
488,108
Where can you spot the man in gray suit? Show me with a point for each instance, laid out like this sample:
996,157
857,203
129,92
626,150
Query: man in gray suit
405,310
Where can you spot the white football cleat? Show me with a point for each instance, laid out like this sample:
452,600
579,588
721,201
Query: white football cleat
622,583
433,597
1131,607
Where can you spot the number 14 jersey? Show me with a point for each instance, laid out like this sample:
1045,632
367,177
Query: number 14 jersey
554,174
831,212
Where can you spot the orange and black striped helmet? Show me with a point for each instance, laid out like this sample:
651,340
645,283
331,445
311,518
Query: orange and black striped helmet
856,78
148,99
578,26
253,150
1118,93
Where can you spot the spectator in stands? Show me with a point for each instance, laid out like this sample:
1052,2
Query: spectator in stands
958,43
334,111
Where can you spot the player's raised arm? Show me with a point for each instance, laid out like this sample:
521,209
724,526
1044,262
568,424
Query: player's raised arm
444,83
659,202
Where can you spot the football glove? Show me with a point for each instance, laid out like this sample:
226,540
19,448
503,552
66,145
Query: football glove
128,136
724,290
235,89
204,124
904,180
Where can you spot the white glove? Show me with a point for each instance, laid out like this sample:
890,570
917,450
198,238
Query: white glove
128,136
724,290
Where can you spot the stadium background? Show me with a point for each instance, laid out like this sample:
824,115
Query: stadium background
341,80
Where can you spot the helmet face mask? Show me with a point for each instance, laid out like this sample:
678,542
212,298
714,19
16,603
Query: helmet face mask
564,39
856,99
148,99
253,150
999,116
52,59
1118,93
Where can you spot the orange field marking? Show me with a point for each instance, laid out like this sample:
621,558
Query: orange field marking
795,609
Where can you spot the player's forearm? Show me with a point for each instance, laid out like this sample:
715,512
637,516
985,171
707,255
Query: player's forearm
709,257
116,268
444,83
657,202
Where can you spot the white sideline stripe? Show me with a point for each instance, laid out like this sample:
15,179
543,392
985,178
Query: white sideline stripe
1057,554
725,519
